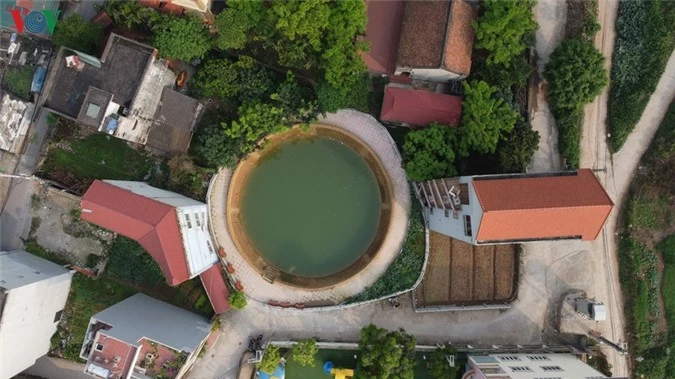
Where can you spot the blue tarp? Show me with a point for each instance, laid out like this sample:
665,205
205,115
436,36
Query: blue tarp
38,79
279,373
112,125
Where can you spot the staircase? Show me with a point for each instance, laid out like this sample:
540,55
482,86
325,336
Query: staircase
271,273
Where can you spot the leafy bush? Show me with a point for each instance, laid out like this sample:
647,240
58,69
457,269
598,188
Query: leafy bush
244,80
518,147
74,32
645,38
270,359
438,363
232,28
576,75
429,152
331,99
667,248
304,352
130,14
407,267
183,38
92,260
238,300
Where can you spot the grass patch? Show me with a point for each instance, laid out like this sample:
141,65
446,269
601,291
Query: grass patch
17,81
645,38
648,214
35,249
407,267
97,156
87,297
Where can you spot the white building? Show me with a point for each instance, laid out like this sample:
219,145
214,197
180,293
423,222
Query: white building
33,293
530,366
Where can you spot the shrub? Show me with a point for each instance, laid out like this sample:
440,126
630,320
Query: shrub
270,359
518,147
238,300
74,32
438,364
386,354
129,261
304,352
243,80
232,28
17,80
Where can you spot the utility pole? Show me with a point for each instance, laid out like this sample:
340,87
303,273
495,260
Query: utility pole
18,176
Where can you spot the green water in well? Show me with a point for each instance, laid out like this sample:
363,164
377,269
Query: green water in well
311,207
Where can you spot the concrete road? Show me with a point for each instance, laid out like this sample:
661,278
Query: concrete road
55,368
15,218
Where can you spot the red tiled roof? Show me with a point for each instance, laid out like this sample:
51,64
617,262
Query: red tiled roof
542,207
151,223
420,107
459,38
383,31
113,348
216,289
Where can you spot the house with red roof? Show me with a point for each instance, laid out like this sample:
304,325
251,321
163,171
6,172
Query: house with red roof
142,337
172,228
515,208
419,107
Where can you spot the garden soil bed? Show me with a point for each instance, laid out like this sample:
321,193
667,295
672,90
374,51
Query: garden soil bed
458,273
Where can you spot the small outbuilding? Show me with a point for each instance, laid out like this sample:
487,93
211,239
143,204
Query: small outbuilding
418,107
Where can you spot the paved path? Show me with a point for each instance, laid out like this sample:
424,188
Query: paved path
55,368
551,16
15,219
373,134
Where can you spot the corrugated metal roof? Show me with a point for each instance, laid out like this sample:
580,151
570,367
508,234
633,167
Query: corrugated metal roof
420,107
541,207
216,289
151,223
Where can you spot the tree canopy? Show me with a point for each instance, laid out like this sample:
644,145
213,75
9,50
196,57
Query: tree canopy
232,28
74,32
237,300
243,79
429,153
504,29
515,152
438,363
485,118
270,359
385,354
304,352
576,75
309,35
183,38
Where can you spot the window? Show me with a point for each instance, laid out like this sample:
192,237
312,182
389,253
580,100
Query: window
197,220
511,358
57,316
187,221
467,226
99,347
538,358
520,368
551,368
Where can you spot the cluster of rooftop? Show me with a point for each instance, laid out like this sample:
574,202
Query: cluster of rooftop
128,93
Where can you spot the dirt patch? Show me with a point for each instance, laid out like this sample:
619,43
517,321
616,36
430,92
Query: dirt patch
57,226
459,273
576,15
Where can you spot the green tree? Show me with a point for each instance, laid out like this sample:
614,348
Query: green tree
238,300
517,149
486,119
505,29
233,26
386,354
182,38
74,32
319,35
304,352
270,359
576,75
242,79
439,367
429,153
213,147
